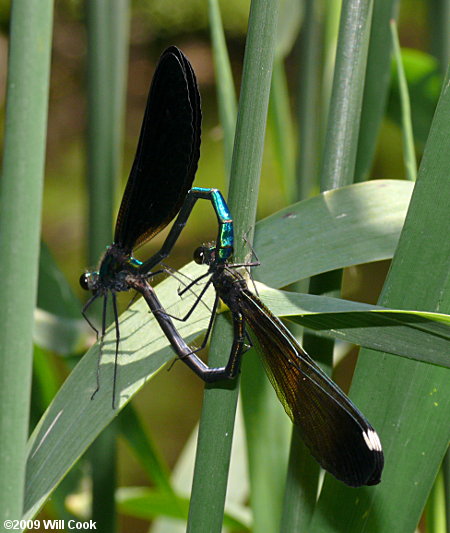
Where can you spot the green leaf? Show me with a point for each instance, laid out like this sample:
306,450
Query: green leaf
54,293
376,85
135,434
290,17
409,156
148,504
58,325
355,224
414,334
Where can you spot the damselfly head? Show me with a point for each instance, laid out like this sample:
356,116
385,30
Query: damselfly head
89,281
204,255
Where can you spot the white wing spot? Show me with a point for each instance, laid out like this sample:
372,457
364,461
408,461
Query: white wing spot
372,440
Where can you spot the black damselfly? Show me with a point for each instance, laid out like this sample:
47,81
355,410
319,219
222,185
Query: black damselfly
159,186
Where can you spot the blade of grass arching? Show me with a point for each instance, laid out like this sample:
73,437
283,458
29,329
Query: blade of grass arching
407,401
439,13
352,225
107,25
20,221
216,426
338,165
378,75
409,156
413,334
226,96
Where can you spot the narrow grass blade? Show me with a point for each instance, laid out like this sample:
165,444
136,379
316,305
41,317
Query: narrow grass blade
213,452
149,504
424,85
107,29
133,431
309,113
282,131
226,96
407,131
338,164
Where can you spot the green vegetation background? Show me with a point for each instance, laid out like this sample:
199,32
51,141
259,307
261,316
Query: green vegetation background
171,405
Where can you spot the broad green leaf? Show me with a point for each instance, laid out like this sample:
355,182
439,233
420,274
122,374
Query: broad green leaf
333,230
417,335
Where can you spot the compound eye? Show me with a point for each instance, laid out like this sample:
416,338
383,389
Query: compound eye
199,255
84,281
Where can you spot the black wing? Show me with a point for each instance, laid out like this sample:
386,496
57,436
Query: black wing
336,432
167,154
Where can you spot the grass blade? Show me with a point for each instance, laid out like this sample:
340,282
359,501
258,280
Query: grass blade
226,96
107,24
213,452
20,220
414,334
407,131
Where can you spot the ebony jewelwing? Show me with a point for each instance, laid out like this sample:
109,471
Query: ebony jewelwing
159,186
337,434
